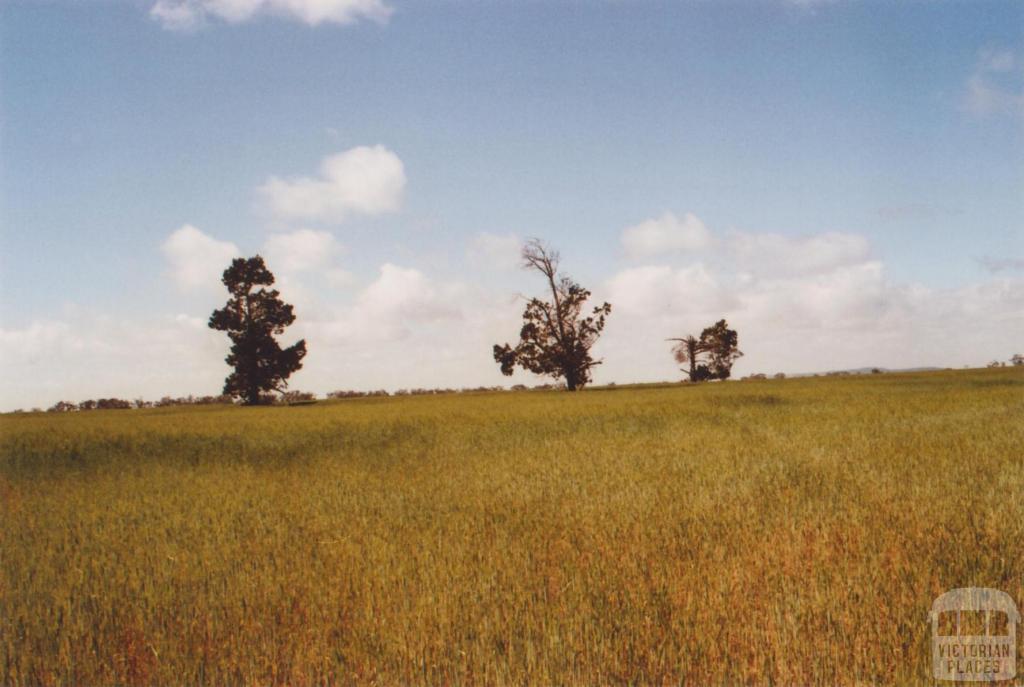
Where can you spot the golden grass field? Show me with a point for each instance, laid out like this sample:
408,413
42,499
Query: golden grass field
778,532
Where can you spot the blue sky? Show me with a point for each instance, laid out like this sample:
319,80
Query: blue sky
810,169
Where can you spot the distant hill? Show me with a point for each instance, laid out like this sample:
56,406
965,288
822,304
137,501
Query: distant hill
866,371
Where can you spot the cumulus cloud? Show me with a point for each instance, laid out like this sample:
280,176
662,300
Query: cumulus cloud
304,250
771,253
88,355
398,291
844,297
403,329
30,344
495,251
851,316
195,259
801,303
792,276
399,298
653,291
664,235
365,180
305,263
669,238
191,14
996,86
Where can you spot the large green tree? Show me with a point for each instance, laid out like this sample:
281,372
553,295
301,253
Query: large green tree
556,338
252,317
723,349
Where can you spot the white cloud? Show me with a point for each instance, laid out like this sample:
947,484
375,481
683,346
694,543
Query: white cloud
337,277
88,355
398,298
996,87
666,234
846,296
197,260
851,316
494,251
821,277
27,346
191,14
388,309
667,237
304,250
405,329
660,290
776,254
801,303
177,15
306,267
366,180
397,291
304,263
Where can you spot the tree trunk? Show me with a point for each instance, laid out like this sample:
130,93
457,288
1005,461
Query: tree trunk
691,351
570,381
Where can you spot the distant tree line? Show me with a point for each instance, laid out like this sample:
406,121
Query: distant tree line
121,404
286,398
356,394
440,391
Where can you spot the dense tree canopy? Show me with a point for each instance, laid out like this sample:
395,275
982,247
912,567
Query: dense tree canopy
556,338
252,317
712,355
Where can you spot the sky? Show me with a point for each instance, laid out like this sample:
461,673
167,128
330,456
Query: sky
843,181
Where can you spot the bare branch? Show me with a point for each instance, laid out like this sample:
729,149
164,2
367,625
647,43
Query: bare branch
541,257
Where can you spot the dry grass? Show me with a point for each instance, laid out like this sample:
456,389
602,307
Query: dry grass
788,532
